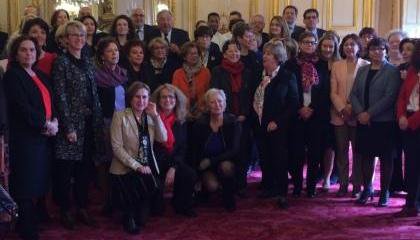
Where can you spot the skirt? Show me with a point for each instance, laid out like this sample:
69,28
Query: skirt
375,139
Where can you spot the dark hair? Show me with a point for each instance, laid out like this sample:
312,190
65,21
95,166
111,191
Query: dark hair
131,44
306,34
54,17
311,10
131,31
199,22
292,7
212,14
102,45
235,13
415,59
202,31
187,46
239,29
132,90
229,42
82,19
404,41
368,30
328,36
35,22
353,37
233,22
377,42
14,48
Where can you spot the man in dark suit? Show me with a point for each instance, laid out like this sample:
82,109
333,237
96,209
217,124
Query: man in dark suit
311,20
257,24
142,30
3,40
290,14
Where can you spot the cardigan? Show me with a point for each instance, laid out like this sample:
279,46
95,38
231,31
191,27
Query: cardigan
403,99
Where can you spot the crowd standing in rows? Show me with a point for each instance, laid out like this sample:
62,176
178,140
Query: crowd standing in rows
141,108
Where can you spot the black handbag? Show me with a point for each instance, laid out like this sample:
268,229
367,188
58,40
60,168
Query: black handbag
7,204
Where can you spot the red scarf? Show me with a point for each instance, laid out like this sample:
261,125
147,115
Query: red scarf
168,122
45,95
235,70
309,74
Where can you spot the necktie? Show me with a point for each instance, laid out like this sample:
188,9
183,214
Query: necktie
166,38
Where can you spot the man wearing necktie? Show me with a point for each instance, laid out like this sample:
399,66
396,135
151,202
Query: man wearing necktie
142,29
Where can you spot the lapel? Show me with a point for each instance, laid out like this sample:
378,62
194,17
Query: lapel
380,72
130,116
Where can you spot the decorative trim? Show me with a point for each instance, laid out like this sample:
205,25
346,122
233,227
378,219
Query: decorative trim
314,4
367,13
13,18
345,28
192,12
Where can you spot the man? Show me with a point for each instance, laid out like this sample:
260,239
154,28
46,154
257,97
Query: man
142,29
290,14
174,36
257,24
311,20
30,10
84,11
210,52
213,21
235,15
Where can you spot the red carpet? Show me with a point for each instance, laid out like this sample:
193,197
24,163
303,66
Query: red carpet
324,217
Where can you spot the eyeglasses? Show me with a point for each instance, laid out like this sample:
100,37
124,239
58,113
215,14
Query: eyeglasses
311,43
374,49
80,35
167,97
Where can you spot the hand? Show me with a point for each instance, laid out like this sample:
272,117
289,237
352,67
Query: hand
347,111
272,126
266,80
52,127
403,123
241,118
403,74
205,163
144,169
305,113
72,137
363,118
170,177
174,48
151,109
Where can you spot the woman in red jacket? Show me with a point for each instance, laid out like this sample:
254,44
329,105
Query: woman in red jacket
408,114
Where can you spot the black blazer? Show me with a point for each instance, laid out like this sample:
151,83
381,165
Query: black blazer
154,80
178,36
319,93
215,56
220,78
178,155
265,38
298,30
280,100
201,130
3,110
147,29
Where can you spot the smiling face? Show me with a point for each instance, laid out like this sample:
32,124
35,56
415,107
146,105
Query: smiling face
308,45
377,54
216,104
140,100
26,54
351,48
136,56
39,34
62,18
165,22
246,40
232,53
121,27
310,20
76,39
192,57
159,51
407,51
275,28
290,15
90,26
167,100
327,49
269,61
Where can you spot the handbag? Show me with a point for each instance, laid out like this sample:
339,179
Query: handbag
7,204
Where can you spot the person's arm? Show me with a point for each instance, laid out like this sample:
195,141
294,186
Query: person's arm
292,102
336,100
180,148
355,94
160,130
232,152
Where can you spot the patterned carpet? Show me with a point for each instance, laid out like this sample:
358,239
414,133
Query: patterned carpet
324,217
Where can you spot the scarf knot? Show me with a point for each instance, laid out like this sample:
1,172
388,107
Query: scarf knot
309,73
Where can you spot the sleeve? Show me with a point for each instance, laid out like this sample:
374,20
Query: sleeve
160,130
20,103
354,94
180,149
292,102
335,98
401,103
117,142
232,152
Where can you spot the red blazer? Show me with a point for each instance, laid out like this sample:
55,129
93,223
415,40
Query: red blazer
405,92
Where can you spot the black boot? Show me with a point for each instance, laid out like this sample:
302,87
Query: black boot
383,199
365,196
130,225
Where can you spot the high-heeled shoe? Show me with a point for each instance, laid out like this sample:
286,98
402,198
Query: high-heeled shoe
383,199
366,195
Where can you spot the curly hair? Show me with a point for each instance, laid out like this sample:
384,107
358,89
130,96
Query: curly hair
181,110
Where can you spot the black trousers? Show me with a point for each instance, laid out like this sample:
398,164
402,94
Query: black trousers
307,143
185,179
274,161
245,154
411,141
27,225
398,178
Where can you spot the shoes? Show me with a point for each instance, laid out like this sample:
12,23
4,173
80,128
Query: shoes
342,191
67,221
407,212
326,185
282,203
84,218
365,196
130,225
267,194
356,192
296,192
311,194
383,199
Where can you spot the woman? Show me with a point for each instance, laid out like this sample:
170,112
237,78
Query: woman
394,39
38,29
122,29
408,115
209,51
328,54
91,36
81,123
31,123
133,134
365,35
373,99
136,66
279,29
308,120
171,155
216,145
193,79
275,102
160,68
58,18
111,80
398,178
343,73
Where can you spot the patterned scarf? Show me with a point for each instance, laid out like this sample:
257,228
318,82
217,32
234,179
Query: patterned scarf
235,70
309,74
190,73
106,77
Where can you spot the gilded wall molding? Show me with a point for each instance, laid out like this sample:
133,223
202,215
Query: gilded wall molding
14,16
338,27
368,13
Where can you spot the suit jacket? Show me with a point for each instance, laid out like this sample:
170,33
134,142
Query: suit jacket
3,110
383,92
125,141
155,80
298,30
178,36
264,39
215,56
147,29
341,87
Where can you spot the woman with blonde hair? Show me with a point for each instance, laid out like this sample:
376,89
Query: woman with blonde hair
279,28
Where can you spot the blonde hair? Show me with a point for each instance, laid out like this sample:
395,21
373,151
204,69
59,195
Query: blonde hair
285,33
181,100
211,92
74,25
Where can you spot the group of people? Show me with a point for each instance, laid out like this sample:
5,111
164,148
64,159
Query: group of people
141,108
